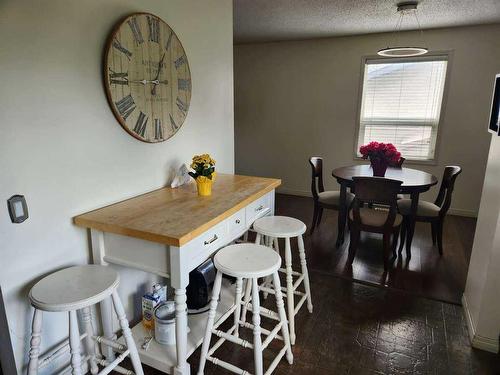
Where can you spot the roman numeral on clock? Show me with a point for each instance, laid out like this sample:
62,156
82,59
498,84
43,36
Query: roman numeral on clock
154,29
136,31
158,129
173,124
182,106
180,61
169,41
118,78
140,124
184,84
125,106
119,47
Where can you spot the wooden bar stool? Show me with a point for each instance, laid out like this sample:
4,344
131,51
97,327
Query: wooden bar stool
78,288
246,261
269,229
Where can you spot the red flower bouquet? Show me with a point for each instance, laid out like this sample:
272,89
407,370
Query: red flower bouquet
380,155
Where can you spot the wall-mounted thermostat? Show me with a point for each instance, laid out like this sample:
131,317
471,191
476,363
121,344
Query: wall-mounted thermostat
18,210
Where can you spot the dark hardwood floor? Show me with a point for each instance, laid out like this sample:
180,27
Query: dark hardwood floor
360,328
426,274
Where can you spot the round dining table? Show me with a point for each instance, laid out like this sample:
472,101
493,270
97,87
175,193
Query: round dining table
414,183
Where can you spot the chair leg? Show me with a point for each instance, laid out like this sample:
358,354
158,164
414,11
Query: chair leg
74,344
305,272
440,224
353,245
402,237
237,301
36,339
434,232
289,289
281,311
395,237
257,339
89,342
210,322
320,215
387,250
127,334
315,218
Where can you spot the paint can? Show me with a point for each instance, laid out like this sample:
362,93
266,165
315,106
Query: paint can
165,323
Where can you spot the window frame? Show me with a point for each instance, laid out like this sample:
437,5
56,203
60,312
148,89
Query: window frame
448,55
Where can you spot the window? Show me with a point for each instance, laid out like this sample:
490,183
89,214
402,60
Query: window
401,104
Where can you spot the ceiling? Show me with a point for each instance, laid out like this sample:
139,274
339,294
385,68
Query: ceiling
274,20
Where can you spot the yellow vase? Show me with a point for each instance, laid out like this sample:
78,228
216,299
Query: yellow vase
204,186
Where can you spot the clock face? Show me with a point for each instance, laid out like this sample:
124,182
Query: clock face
147,78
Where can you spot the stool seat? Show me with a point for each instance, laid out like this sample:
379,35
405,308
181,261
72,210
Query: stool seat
247,260
279,226
74,288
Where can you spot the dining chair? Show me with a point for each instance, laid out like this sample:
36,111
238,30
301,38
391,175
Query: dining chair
387,221
323,199
433,213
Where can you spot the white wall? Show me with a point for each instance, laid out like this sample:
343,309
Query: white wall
294,100
480,300
61,146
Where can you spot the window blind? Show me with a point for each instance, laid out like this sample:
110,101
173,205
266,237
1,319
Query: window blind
401,104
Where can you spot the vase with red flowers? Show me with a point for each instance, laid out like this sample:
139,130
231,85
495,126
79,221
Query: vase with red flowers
380,156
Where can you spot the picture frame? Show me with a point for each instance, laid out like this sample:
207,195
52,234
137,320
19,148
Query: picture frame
494,123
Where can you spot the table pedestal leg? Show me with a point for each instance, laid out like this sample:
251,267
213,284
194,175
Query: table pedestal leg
342,214
411,223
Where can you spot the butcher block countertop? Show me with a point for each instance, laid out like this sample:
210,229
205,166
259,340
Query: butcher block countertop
175,216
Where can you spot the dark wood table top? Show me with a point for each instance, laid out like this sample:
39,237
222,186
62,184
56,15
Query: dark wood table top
413,179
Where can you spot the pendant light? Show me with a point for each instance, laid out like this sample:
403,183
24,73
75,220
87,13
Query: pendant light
404,9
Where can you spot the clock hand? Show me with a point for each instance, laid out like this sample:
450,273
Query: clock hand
157,82
153,91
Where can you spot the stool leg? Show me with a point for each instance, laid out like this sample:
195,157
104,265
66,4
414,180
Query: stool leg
267,281
89,342
289,289
281,311
127,334
305,272
258,237
210,322
237,301
246,300
36,339
107,328
74,344
257,340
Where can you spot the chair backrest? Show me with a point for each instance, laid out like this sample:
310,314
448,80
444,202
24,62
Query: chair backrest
317,176
443,199
376,190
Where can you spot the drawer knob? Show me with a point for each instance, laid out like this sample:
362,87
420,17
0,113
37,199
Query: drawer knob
260,208
238,221
215,238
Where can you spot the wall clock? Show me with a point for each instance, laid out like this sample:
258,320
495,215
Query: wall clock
147,78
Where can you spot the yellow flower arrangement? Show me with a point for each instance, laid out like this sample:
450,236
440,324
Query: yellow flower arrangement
203,166
204,173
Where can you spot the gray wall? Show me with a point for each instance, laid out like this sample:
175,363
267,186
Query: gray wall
294,100
63,149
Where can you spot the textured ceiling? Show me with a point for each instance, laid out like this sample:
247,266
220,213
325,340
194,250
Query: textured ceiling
273,20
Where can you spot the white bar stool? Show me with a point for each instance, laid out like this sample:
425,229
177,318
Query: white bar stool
246,261
78,288
269,229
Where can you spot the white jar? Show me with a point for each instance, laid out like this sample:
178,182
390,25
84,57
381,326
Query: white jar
165,323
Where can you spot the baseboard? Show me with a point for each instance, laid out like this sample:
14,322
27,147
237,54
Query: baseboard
477,341
303,193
